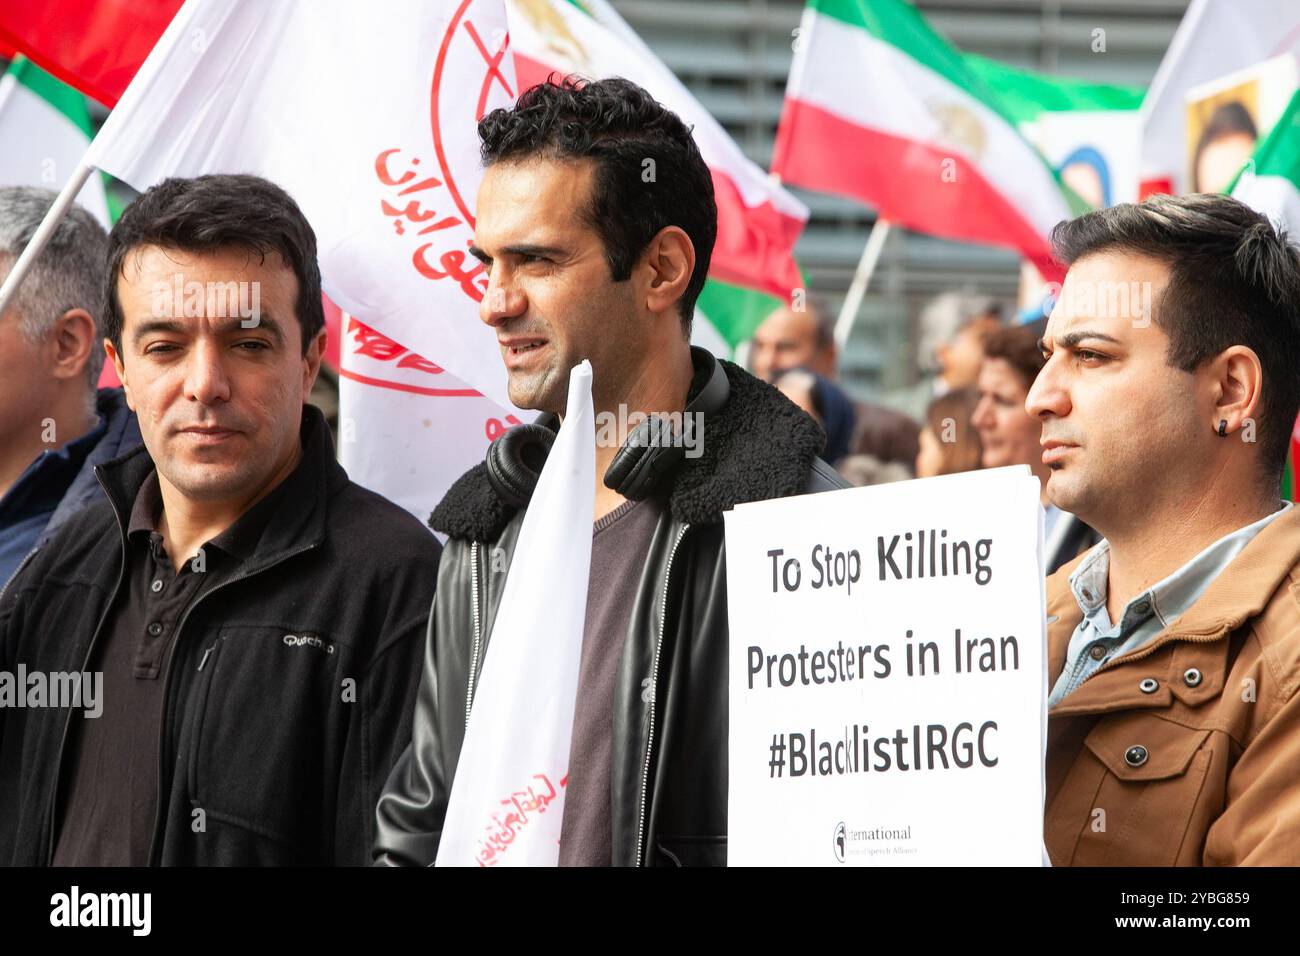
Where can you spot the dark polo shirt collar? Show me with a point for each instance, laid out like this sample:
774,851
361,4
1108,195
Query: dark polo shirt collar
239,541
299,522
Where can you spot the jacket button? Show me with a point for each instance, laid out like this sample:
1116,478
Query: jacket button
156,586
155,629
1191,677
1136,755
1149,685
1097,652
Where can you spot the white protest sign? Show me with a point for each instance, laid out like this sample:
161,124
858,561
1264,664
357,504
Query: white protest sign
888,675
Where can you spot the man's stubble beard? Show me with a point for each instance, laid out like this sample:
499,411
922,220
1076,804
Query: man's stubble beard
543,391
216,482
1117,488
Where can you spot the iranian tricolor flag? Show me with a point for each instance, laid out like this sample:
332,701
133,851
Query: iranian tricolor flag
45,128
1270,183
753,268
1089,133
880,108
94,45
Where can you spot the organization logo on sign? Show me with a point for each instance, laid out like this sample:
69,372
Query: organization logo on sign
874,842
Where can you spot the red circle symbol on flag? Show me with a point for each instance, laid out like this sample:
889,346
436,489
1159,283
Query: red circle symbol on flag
466,51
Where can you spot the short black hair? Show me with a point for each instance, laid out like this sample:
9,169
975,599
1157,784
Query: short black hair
207,213
620,126
1233,280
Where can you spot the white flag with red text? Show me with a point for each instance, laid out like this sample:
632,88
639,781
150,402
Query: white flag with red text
366,114
407,427
507,799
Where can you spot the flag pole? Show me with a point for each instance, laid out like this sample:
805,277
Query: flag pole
41,238
858,287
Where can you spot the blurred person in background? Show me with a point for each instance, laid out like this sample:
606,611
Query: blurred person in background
1010,435
821,399
950,444
55,426
863,470
953,328
795,338
792,339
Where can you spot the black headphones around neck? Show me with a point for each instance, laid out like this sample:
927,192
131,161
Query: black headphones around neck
642,466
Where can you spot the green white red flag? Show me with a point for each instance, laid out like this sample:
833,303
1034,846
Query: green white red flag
45,128
1089,133
880,108
1214,38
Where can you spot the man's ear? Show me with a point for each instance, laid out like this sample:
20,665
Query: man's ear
71,341
311,361
116,359
670,260
1237,386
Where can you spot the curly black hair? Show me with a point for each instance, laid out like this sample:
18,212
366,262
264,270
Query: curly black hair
649,172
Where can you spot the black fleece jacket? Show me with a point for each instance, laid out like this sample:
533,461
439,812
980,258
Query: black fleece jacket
283,745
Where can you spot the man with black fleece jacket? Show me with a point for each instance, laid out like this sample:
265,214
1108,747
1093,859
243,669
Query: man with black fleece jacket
249,619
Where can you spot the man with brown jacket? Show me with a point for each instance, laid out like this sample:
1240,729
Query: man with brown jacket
1171,386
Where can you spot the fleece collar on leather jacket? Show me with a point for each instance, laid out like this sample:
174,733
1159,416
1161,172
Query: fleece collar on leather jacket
668,786
759,446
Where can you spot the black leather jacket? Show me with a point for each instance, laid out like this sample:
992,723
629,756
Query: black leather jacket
669,782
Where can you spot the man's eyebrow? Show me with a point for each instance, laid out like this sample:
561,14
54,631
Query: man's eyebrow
262,320
157,325
234,324
1071,339
527,249
524,249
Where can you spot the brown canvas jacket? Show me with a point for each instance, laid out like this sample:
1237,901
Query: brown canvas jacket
1185,751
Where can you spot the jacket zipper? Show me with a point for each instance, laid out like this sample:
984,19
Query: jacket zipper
167,683
473,661
85,664
18,570
654,693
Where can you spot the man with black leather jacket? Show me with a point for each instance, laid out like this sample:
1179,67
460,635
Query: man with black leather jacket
590,257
